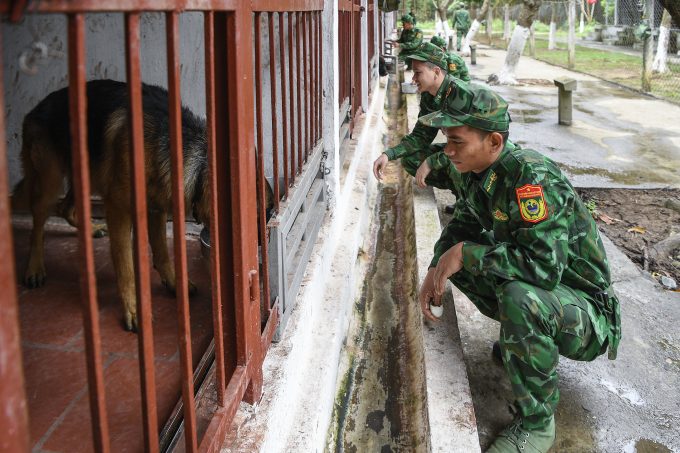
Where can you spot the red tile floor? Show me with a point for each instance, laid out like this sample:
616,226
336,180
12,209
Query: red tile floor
54,348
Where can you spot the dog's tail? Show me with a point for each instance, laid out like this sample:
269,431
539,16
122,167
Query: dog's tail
21,197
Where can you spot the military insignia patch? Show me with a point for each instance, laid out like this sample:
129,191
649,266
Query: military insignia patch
500,216
419,35
452,67
531,203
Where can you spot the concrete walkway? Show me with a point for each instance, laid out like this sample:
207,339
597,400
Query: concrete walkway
619,139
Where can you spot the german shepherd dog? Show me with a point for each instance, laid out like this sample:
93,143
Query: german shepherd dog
46,162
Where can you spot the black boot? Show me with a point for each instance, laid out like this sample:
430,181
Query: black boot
450,209
496,351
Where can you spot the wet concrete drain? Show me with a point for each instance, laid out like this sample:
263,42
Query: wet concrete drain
382,403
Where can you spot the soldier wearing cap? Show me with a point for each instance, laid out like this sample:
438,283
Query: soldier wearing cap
457,67
461,22
525,250
434,85
411,36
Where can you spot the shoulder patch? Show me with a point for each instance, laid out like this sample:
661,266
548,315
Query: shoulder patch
419,35
531,203
452,67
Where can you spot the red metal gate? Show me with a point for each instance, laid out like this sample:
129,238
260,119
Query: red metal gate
241,337
349,43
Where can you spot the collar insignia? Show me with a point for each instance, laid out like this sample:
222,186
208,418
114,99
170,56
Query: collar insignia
492,178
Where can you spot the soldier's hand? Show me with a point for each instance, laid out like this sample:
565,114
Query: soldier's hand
422,173
449,263
427,293
379,166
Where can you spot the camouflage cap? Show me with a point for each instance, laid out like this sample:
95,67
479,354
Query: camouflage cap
438,41
472,105
427,52
407,18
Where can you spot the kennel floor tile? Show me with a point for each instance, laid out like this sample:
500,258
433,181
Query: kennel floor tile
54,349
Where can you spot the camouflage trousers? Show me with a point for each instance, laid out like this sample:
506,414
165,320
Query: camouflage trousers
537,326
460,34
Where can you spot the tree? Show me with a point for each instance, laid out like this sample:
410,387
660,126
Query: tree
475,26
553,26
442,9
659,65
506,76
673,8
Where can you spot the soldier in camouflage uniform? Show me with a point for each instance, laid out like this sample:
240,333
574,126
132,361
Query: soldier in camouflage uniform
461,22
411,37
434,85
525,250
457,66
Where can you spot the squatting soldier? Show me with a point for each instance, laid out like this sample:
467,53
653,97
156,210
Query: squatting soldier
457,66
525,250
461,22
413,15
411,36
434,85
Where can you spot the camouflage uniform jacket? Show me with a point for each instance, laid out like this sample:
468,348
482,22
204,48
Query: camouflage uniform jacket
410,39
421,136
461,20
522,220
457,66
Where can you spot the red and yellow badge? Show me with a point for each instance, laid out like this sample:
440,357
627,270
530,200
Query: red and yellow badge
452,67
531,203
419,35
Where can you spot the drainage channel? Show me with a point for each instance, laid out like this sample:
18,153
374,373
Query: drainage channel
381,404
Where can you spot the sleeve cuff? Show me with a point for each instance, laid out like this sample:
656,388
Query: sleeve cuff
391,154
473,256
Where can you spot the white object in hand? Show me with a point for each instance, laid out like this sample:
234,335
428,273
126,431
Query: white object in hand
437,311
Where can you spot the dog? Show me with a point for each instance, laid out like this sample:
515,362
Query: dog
46,163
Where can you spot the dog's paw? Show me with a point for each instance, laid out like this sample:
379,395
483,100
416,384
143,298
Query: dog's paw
35,278
169,285
99,230
130,322
193,289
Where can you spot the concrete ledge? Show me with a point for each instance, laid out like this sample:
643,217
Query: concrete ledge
453,426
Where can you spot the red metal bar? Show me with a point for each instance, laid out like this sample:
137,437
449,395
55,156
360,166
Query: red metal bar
179,234
243,189
275,125
300,76
284,106
306,83
312,78
141,242
81,182
222,194
14,413
209,32
291,64
83,6
319,84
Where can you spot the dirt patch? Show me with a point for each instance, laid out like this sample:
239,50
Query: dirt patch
634,219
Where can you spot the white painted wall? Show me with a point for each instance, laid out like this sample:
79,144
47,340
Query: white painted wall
105,59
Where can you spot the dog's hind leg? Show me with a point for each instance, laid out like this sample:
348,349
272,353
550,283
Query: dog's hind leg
161,257
45,187
67,210
120,228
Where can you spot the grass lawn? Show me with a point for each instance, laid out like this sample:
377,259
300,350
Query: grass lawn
615,66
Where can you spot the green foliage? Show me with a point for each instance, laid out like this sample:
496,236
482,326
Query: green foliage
591,205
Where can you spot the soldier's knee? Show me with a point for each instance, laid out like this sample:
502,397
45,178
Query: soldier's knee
515,297
411,164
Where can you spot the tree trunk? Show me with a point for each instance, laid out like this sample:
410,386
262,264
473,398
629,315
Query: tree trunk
571,39
506,76
532,42
580,29
659,65
506,23
489,25
553,27
673,8
465,45
442,7
648,54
